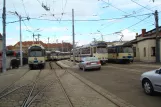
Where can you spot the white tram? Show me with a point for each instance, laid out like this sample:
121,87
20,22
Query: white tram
95,49
36,56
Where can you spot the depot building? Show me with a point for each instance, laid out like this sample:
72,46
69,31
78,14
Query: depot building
144,46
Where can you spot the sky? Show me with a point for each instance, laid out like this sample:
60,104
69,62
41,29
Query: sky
99,19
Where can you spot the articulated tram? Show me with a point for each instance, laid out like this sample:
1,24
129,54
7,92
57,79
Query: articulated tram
48,56
95,49
57,55
120,54
36,56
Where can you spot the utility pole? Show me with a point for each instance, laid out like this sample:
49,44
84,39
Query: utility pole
73,36
33,38
157,38
39,38
4,37
21,43
48,43
21,61
36,40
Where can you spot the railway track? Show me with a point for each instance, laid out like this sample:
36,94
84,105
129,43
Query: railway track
32,97
90,86
27,89
5,92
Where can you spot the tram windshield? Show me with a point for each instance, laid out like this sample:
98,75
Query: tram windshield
101,50
36,53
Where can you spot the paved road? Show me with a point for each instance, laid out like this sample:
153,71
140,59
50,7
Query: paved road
123,81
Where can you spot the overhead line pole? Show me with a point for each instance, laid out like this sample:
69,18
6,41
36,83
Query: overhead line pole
48,43
157,38
21,55
73,37
4,37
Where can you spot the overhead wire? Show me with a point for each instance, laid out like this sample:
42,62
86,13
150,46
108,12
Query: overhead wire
26,14
63,10
48,11
142,6
24,8
129,26
18,16
94,19
121,10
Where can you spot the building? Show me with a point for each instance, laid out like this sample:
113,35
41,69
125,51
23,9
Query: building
64,47
1,45
48,46
144,46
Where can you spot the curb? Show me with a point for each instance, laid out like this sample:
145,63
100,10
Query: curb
111,97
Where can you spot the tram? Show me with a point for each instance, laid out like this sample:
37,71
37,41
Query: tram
120,54
95,49
36,56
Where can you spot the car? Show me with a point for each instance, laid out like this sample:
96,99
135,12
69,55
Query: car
151,81
89,63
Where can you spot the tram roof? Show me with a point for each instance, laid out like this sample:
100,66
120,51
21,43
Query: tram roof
36,45
94,43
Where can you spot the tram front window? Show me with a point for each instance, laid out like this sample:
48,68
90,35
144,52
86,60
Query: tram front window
35,53
101,50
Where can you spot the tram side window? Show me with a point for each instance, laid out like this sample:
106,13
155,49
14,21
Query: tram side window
111,50
86,50
120,49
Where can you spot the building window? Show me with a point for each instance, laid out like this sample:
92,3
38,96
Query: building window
144,52
152,51
134,50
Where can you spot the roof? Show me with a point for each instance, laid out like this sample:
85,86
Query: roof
151,32
53,45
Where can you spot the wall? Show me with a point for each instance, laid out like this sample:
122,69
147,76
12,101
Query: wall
137,58
147,44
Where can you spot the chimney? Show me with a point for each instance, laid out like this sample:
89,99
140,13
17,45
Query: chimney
143,32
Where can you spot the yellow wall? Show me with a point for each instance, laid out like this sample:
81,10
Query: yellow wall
147,44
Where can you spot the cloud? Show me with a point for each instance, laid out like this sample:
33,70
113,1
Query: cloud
128,35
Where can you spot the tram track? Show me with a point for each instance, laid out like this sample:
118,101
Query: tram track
11,85
34,93
118,105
